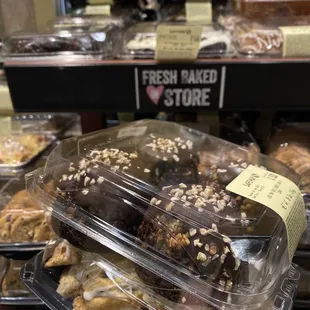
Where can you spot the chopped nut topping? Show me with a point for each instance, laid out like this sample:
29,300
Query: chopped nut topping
196,242
203,231
70,177
216,256
207,247
226,239
93,181
153,201
71,169
244,165
100,180
158,202
85,192
182,185
214,227
86,180
147,170
193,232
169,206
223,257
201,256
166,187
64,177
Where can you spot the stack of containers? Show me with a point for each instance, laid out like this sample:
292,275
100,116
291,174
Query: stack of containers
155,193
290,145
24,229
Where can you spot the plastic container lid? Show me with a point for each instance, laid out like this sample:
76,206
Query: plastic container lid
85,22
22,221
97,43
155,192
111,281
44,123
140,42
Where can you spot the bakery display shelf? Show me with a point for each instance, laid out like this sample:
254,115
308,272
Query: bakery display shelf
143,85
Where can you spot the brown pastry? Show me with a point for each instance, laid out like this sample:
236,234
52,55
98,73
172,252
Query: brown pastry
23,221
69,285
20,148
64,255
255,39
295,156
11,284
102,293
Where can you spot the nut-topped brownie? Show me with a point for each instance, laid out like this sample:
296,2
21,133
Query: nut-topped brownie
94,184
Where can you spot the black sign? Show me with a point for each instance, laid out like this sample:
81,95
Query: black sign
165,87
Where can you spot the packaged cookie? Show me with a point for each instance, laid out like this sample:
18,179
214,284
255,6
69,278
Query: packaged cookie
23,223
140,42
290,145
157,193
13,291
111,281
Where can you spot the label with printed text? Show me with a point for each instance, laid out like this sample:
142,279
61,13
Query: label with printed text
199,11
296,41
177,42
277,193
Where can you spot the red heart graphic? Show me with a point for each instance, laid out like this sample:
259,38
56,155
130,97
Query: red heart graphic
155,93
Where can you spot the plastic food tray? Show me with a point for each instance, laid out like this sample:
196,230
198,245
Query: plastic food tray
13,292
96,278
16,236
47,123
135,189
11,146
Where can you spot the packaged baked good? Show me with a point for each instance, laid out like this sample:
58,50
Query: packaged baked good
20,149
13,292
156,192
140,42
102,42
264,9
253,38
290,145
110,281
22,220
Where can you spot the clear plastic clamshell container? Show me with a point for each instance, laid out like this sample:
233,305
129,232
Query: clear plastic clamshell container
140,41
22,221
101,42
65,278
253,38
13,292
43,123
18,151
155,192
85,22
271,8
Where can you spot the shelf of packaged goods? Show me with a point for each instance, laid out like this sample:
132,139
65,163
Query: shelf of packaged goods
128,86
